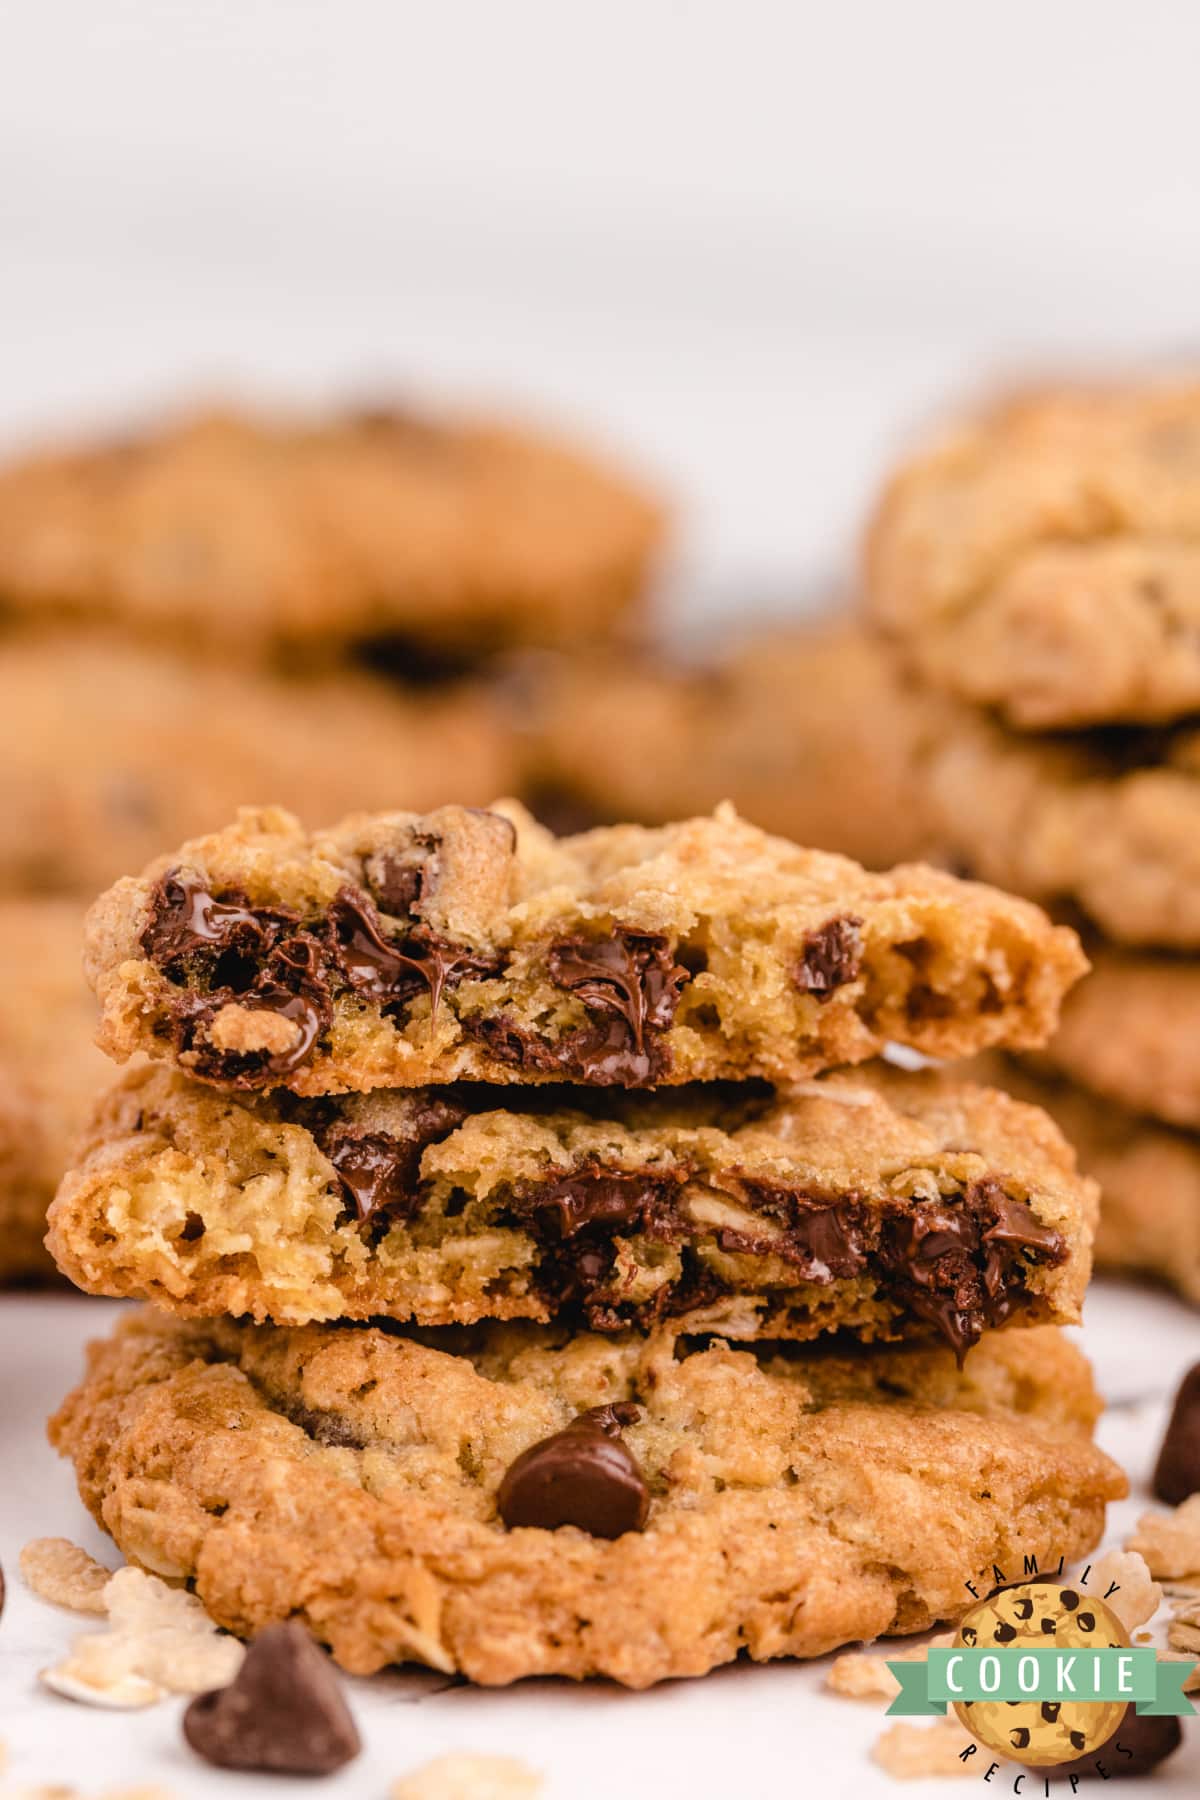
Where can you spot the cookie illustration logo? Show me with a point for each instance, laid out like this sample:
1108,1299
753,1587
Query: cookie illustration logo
1042,1616
1043,1674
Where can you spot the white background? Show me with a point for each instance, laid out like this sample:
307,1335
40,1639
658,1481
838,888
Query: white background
753,245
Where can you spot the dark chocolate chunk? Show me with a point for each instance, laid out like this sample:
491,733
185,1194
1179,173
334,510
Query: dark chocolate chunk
1177,1472
584,1476
1140,1742
380,1172
832,957
284,1712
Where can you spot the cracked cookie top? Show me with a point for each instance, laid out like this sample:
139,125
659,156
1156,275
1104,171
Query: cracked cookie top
523,1501
403,950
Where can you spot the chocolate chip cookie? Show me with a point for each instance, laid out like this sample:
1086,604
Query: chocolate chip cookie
50,1071
294,534
109,749
1044,558
1131,1032
518,1501
811,732
877,1203
405,950
1108,821
1149,1177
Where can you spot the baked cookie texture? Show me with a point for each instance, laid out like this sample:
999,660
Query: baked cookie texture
1148,1174
403,950
1131,1033
813,733
1107,821
878,1203
1044,558
297,533
348,1477
50,1071
109,749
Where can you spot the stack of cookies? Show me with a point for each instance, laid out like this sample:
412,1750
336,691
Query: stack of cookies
1039,572
179,608
536,1288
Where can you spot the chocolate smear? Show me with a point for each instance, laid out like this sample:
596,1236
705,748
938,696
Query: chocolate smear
284,1713
584,1475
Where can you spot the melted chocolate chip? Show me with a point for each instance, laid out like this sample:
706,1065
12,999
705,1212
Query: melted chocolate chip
1140,1742
583,1476
266,959
631,981
284,1712
832,957
638,1201
378,1171
1177,1472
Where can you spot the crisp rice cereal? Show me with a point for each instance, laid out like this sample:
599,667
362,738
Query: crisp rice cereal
61,1572
1138,1596
461,1776
96,1683
1170,1542
862,1675
910,1751
161,1640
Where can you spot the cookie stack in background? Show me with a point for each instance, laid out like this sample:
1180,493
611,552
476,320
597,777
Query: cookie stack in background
1016,698
238,606
1038,570
530,1295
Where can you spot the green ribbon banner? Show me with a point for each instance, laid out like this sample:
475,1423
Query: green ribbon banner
1041,1673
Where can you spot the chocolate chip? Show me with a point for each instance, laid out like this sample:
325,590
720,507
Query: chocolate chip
832,957
621,1202
283,1713
632,981
584,1476
1140,1742
380,1172
1177,1472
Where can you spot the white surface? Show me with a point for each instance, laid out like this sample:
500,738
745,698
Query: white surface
742,1731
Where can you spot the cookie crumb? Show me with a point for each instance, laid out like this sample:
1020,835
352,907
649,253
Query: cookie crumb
95,1682
1138,1596
1170,1542
461,1776
910,1752
63,1573
864,1675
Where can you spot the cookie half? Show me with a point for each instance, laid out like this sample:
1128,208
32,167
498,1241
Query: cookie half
111,749
1045,558
50,1071
1109,822
400,950
1148,1174
813,733
360,1480
1131,1033
298,534
886,1205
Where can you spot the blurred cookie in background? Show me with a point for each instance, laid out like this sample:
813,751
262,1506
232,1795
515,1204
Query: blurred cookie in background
50,1071
1149,1176
1106,821
811,731
252,535
1130,1032
1043,556
110,752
